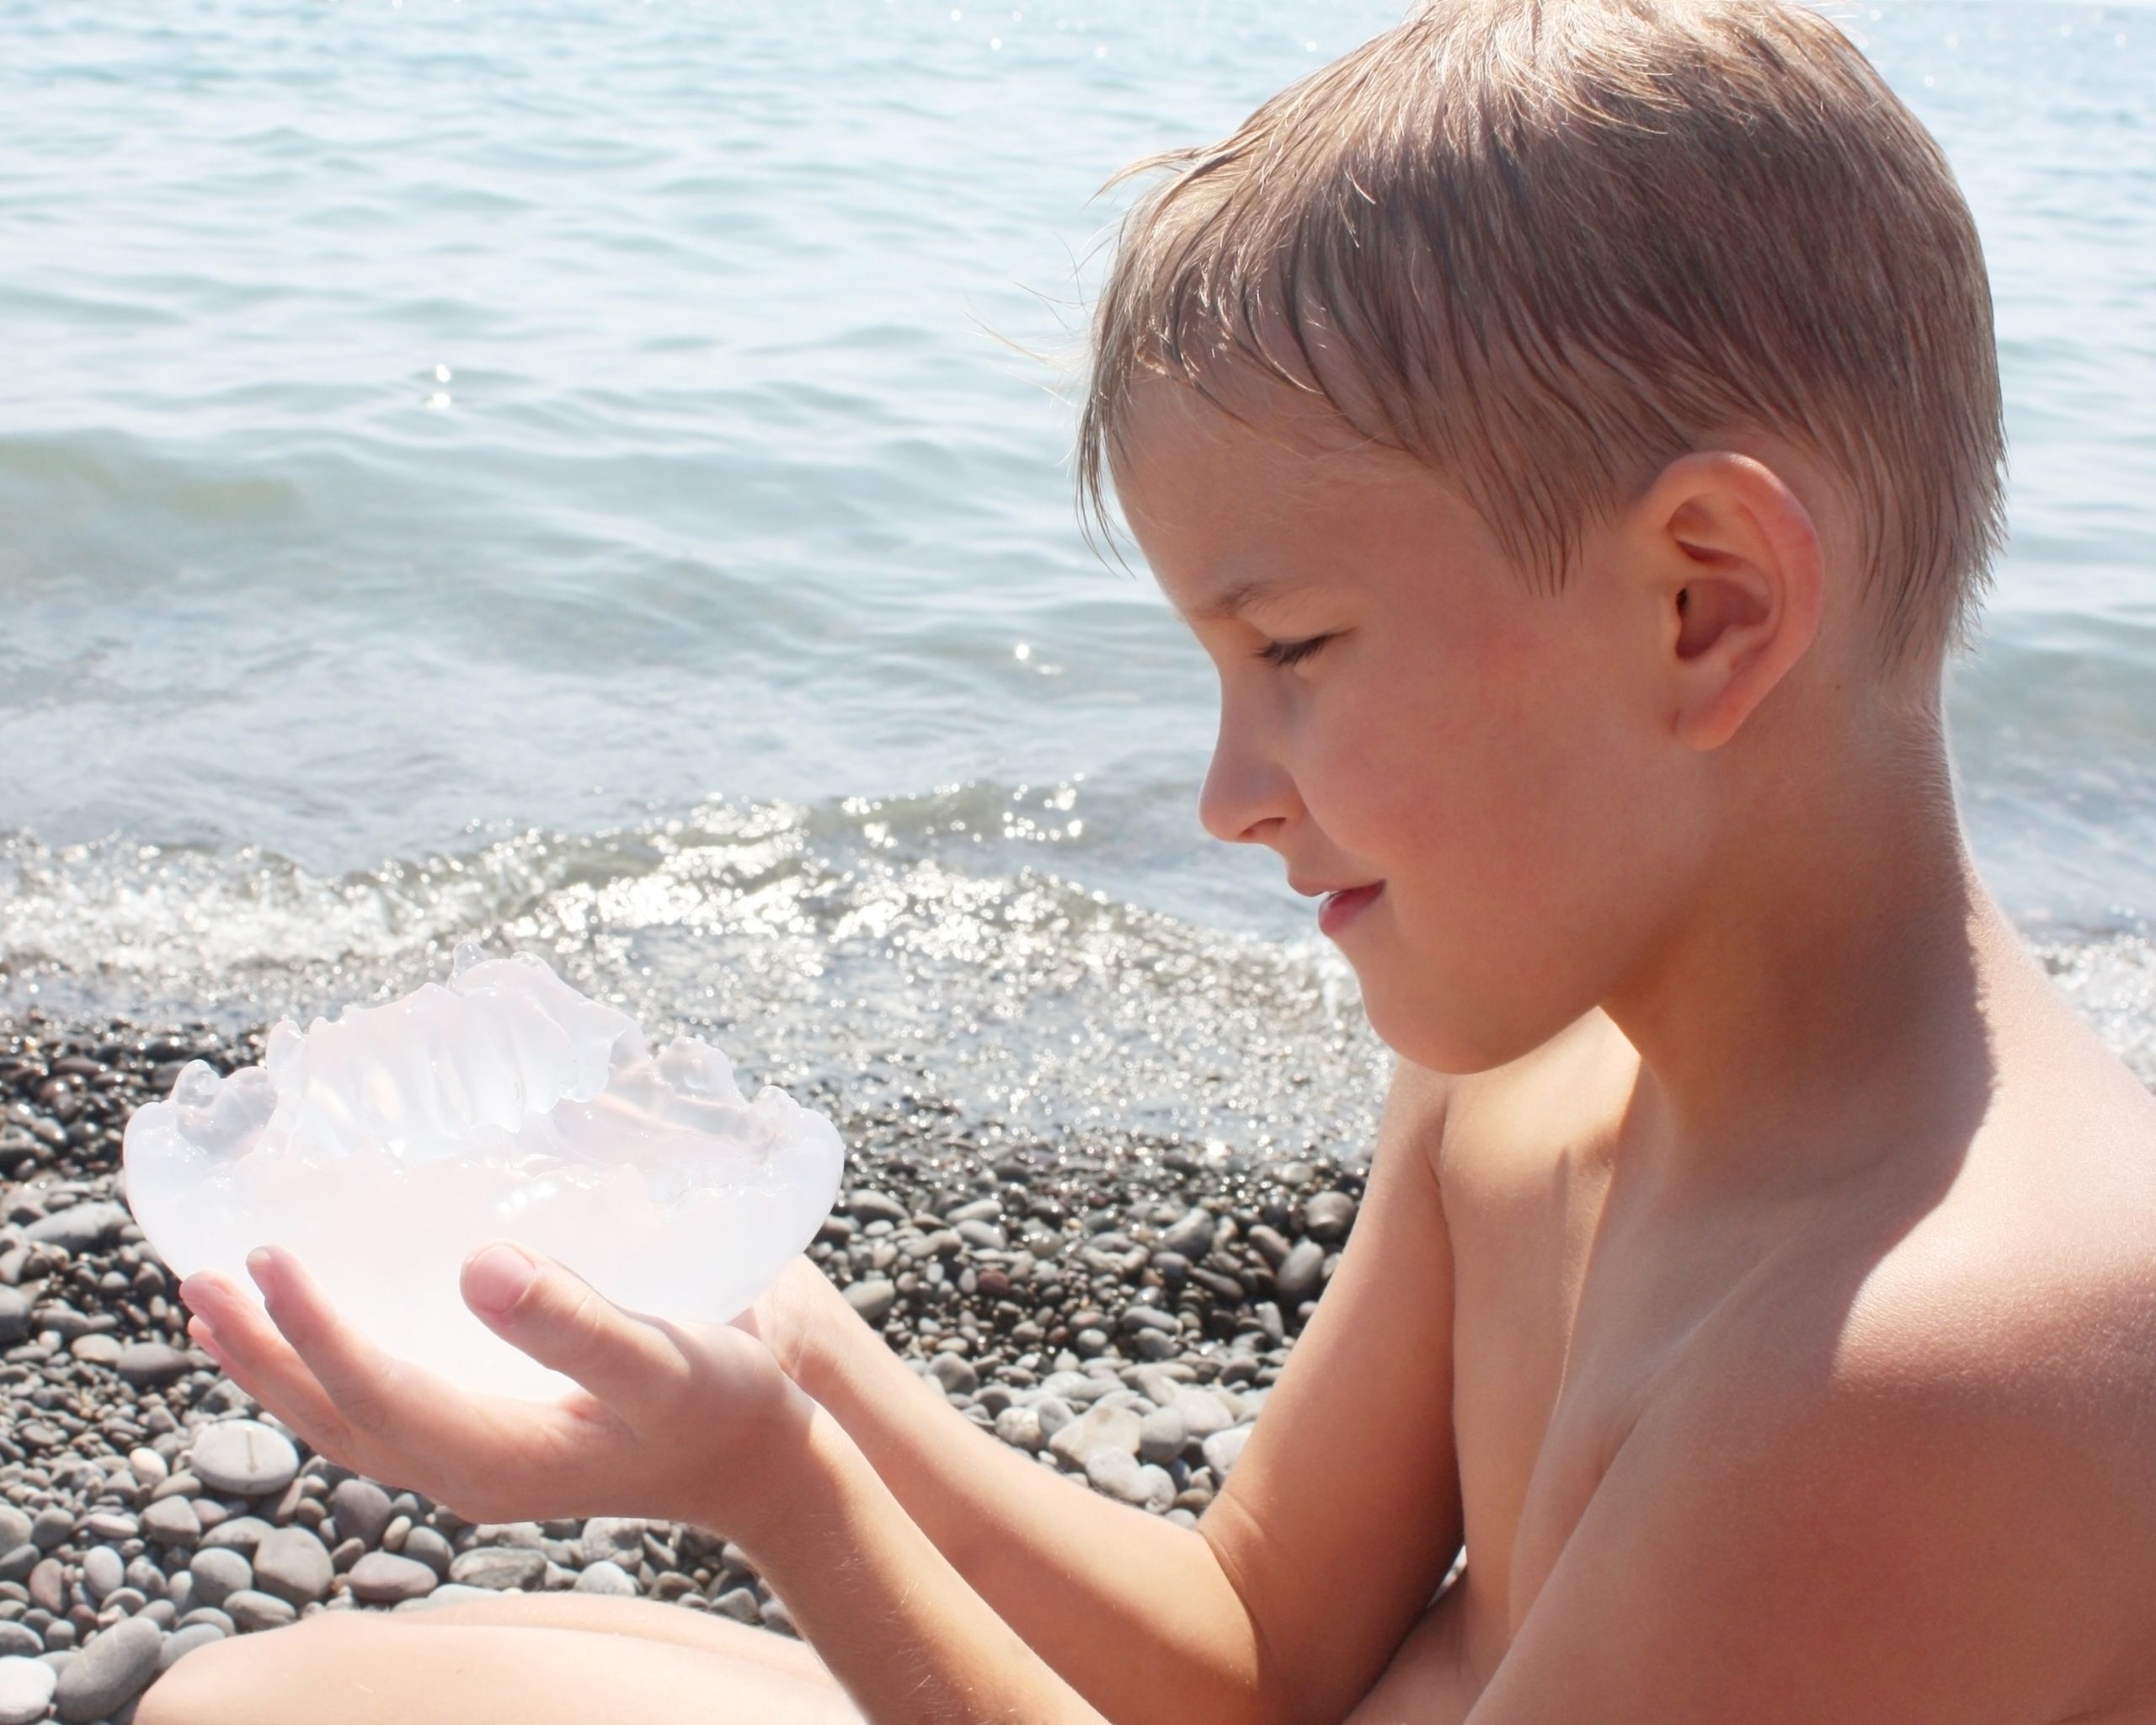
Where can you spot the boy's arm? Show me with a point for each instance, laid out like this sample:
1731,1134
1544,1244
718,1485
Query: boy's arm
1339,1520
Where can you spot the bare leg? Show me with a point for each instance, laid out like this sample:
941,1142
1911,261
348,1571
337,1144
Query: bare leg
525,1659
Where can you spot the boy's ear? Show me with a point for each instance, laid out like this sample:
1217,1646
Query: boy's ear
1734,570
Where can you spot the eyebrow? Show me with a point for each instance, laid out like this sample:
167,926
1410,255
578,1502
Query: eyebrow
1232,601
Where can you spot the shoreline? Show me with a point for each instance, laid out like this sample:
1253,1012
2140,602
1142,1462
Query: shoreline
1117,1304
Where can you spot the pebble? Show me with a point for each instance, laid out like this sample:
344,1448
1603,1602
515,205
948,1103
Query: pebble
115,1668
19,1640
384,1579
103,1572
48,1586
294,1564
611,1539
504,1568
79,1228
243,1457
1223,1447
98,1349
1161,1435
605,1577
362,1509
26,1687
219,1573
51,1528
251,1609
1020,1428
148,1466
1327,1217
956,1375
874,1300
1297,1276
143,1364
15,1315
1098,1428
15,1528
172,1521
183,1642
448,1594
241,1533
1190,1236
428,1547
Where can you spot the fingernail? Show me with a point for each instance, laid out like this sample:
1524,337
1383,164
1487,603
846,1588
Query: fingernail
497,1278
261,1261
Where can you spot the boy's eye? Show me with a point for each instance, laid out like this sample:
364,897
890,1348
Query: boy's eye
1285,653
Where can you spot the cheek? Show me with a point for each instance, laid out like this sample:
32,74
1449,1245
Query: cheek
1516,827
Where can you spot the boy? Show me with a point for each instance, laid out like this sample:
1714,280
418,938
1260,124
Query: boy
1573,432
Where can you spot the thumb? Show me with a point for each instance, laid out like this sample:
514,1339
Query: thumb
553,1313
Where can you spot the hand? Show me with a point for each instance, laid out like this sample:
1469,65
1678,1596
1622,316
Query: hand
693,1422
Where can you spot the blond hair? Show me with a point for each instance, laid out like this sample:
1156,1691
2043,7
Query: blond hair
1548,246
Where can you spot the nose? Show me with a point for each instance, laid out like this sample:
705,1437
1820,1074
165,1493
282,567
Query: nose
1249,798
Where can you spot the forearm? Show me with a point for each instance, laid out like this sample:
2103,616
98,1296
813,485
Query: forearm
893,1621
1134,1612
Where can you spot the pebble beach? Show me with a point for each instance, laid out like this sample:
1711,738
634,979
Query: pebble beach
1121,1317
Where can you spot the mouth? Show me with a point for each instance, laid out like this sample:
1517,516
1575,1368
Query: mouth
1344,905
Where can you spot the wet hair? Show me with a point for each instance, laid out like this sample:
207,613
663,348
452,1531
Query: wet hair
1546,247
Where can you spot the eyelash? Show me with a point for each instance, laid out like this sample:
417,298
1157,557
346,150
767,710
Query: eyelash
1288,653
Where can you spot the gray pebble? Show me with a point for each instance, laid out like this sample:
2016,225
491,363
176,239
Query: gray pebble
1297,1276
148,1466
362,1509
1020,1428
605,1577
872,1299
739,1603
172,1521
1203,1413
956,1373
26,1687
17,1641
146,1363
611,1539
1161,1435
103,1572
1222,1449
384,1579
113,1668
241,1533
15,1528
428,1547
504,1568
877,1207
220,1620
1328,1217
97,1349
79,1228
243,1457
1192,1235
15,1315
294,1564
1097,1429
219,1573
52,1526
251,1610
183,1642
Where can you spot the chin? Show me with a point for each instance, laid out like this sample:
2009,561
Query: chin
1455,1033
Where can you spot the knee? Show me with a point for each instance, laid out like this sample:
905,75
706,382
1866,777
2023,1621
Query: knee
211,1683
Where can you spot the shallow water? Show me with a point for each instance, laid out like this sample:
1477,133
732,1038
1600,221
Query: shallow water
593,477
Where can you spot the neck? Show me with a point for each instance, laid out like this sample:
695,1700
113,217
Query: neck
1819,997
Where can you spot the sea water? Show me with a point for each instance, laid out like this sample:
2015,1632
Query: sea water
593,477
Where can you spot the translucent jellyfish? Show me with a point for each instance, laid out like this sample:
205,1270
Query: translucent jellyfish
383,1146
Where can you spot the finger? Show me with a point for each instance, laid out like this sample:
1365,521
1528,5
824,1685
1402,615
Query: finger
381,1407
236,1333
559,1319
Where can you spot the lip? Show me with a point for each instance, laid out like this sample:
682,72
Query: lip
1343,904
